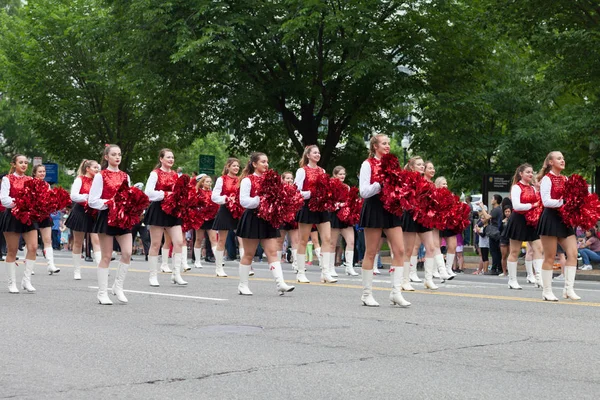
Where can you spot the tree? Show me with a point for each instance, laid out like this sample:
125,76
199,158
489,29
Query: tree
289,73
58,59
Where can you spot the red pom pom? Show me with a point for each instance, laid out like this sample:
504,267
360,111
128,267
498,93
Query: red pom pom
279,202
208,209
399,186
36,202
126,207
234,206
321,195
457,219
175,202
349,213
532,216
442,203
61,198
580,207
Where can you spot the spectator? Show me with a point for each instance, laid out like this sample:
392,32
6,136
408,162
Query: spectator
56,219
496,220
504,240
467,239
484,240
460,259
589,249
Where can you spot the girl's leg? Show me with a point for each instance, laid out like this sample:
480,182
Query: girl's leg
396,243
177,239
438,257
164,258
46,234
76,254
511,263
219,254
549,244
537,255
569,245
250,246
303,235
31,241
327,254
96,247
12,246
348,235
270,247
106,248
156,234
504,253
450,254
413,261
125,243
410,262
334,235
198,248
372,241
427,240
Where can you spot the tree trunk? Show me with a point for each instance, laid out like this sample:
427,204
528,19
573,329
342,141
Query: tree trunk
597,180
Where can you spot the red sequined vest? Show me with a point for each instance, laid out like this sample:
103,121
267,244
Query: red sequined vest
111,182
375,164
86,184
527,196
17,183
558,185
310,176
255,184
166,180
230,185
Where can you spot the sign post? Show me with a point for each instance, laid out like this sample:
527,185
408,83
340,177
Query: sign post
206,164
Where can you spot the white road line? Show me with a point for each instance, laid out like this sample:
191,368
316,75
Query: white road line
169,294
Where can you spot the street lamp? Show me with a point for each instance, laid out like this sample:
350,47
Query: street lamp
405,143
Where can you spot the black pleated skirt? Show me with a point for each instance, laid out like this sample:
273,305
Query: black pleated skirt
155,216
517,229
551,224
305,216
288,227
46,223
252,227
410,225
11,224
101,226
335,221
79,220
208,225
373,215
448,233
224,221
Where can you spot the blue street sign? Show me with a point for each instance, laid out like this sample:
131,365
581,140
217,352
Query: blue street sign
51,173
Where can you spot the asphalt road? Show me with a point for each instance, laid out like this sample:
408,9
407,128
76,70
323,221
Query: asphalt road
472,339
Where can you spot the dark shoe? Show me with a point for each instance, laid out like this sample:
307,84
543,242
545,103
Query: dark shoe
210,259
89,259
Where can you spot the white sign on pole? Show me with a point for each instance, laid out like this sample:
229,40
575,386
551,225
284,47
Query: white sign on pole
37,161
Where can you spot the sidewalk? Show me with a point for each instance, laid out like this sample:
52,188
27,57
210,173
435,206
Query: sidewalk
472,262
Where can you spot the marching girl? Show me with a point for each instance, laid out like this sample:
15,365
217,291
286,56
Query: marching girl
375,220
449,236
104,187
306,176
45,226
438,258
225,186
551,228
203,186
79,221
160,184
254,230
411,230
12,188
340,228
522,194
290,229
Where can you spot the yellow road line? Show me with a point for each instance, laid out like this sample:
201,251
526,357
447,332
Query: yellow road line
347,286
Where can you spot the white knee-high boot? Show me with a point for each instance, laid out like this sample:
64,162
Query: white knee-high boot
450,263
117,287
537,267
97,257
76,260
429,268
26,281
413,269
103,287
164,261
512,275
301,276
295,259
530,273
367,294
12,277
176,274
440,264
184,258
219,270
376,270
547,286
406,271
396,297
282,287
349,263
49,252
198,256
153,267
325,274
568,291
331,268
243,288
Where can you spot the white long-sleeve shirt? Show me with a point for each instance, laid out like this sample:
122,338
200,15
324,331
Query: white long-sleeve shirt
75,189
547,200
299,181
153,195
95,198
216,196
5,198
246,200
515,197
366,188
